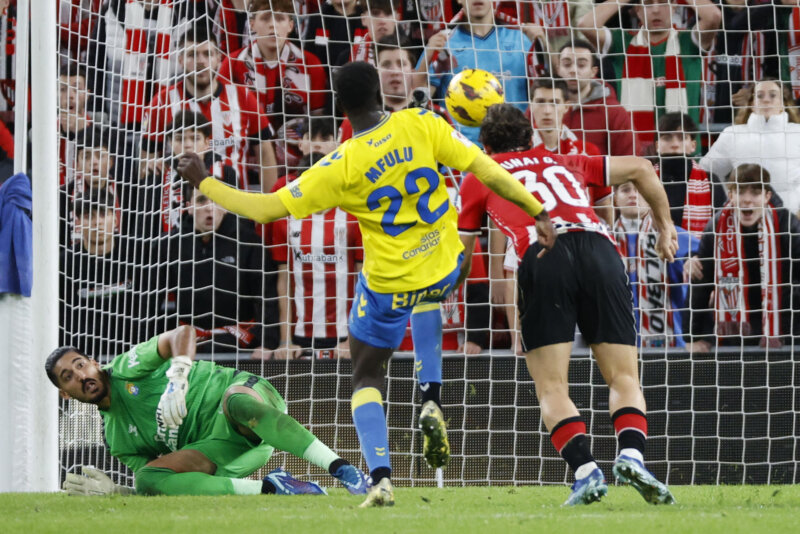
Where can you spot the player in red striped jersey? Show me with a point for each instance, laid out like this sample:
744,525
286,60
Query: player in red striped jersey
581,281
323,253
237,121
289,81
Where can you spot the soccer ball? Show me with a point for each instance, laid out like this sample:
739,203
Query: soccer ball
470,94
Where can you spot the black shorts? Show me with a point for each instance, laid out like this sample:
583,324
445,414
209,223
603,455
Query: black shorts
581,281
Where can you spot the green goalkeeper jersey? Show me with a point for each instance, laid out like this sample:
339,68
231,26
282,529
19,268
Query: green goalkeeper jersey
137,381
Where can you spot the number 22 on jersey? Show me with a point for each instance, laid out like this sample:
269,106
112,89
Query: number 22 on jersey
396,198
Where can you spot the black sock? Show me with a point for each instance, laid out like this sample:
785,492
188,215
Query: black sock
267,486
380,473
431,391
630,425
336,464
577,452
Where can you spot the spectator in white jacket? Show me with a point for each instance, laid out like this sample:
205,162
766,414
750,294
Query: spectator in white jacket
767,133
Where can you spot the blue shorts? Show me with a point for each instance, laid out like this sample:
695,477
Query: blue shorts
380,319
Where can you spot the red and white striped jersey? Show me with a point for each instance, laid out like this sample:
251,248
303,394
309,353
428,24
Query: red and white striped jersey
231,26
298,72
235,116
550,14
321,251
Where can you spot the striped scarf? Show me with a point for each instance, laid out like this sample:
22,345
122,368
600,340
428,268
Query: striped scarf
137,50
363,49
657,318
697,208
731,277
640,81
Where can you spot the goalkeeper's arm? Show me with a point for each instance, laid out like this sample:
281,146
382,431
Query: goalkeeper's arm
178,346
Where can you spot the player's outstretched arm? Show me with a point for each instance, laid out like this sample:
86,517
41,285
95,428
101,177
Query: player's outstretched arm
260,207
640,171
501,182
178,346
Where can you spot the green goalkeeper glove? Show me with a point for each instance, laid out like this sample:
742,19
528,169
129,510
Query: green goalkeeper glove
93,482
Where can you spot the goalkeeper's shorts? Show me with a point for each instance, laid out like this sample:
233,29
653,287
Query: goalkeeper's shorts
235,455
380,319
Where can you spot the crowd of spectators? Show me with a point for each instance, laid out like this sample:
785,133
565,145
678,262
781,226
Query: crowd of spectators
706,89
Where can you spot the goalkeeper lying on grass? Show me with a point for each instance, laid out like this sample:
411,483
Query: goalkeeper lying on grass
189,428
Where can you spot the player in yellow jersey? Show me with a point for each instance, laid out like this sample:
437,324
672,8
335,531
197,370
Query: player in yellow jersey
387,177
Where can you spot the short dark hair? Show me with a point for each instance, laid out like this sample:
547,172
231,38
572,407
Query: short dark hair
357,87
190,120
71,70
196,34
583,43
505,129
384,6
93,137
554,84
94,200
750,174
319,127
676,122
276,6
52,360
393,42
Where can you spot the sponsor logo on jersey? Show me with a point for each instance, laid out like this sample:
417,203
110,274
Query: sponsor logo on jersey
133,430
133,389
427,243
460,137
294,189
133,358
167,437
379,142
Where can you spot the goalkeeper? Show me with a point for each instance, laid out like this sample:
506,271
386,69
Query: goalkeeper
189,428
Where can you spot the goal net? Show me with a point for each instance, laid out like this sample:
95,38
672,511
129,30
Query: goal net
247,84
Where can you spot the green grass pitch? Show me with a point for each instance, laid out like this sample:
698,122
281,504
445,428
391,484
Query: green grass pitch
703,509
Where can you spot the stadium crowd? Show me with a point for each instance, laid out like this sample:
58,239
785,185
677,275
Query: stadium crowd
707,89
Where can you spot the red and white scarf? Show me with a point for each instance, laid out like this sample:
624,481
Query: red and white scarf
731,277
639,83
697,208
363,49
134,64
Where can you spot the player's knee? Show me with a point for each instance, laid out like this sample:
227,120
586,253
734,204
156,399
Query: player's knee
245,409
245,399
624,383
148,480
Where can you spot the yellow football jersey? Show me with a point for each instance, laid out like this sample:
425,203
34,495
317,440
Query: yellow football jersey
388,178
